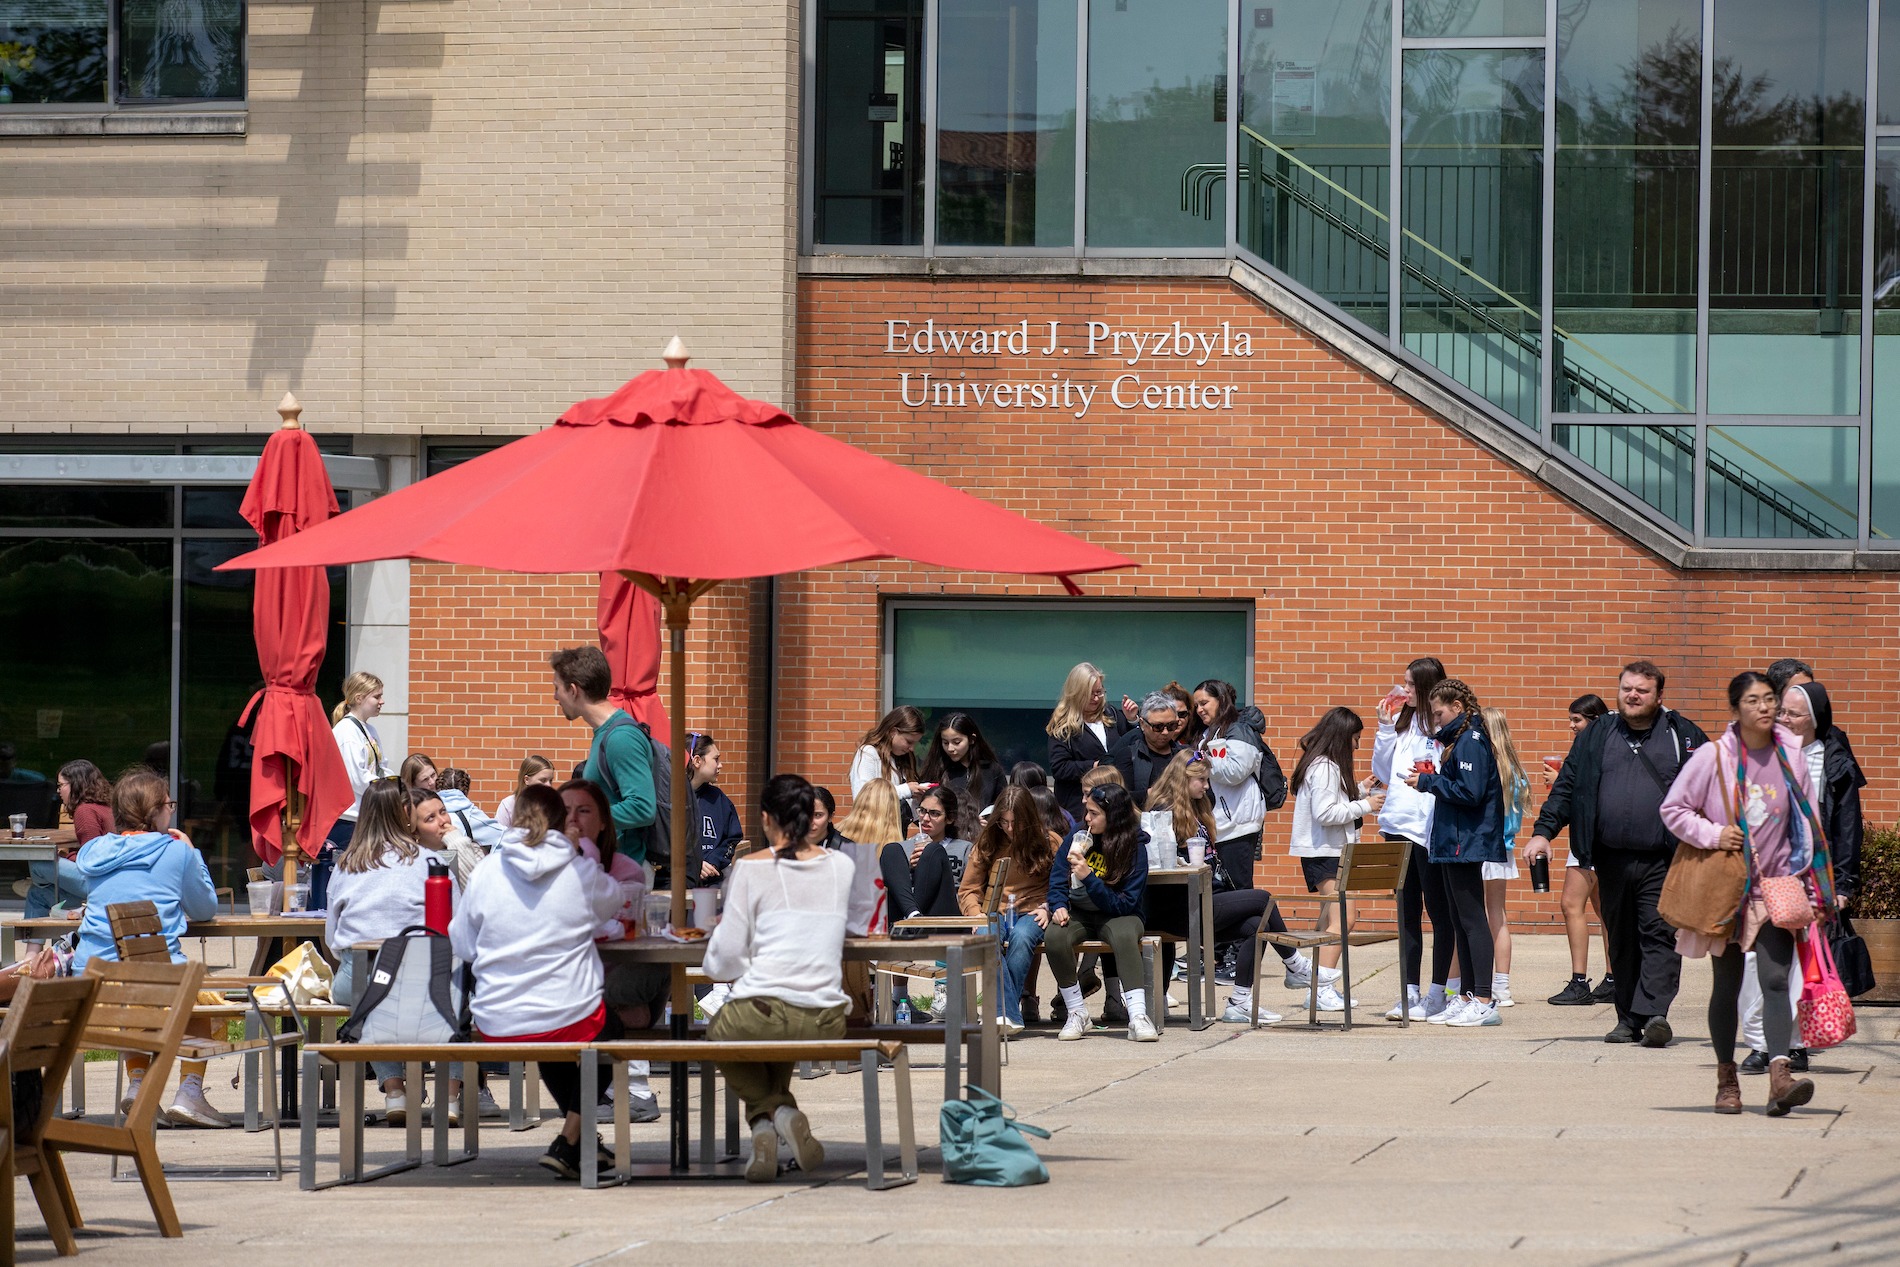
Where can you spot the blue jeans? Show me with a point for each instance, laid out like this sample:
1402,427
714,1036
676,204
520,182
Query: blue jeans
72,886
1020,940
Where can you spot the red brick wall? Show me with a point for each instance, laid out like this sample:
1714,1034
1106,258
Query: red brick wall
1365,531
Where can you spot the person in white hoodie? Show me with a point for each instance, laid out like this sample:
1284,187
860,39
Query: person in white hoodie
1230,736
1327,806
526,926
780,942
1404,740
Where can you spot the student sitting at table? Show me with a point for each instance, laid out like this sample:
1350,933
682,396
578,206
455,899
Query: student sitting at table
1014,830
376,891
526,926
453,783
1095,893
86,794
145,861
780,942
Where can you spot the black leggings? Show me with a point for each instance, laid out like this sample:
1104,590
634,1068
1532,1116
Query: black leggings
927,890
1237,857
1237,914
564,1081
1424,895
1774,958
1462,884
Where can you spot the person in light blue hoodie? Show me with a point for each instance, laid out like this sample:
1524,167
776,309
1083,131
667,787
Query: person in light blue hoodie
145,861
452,784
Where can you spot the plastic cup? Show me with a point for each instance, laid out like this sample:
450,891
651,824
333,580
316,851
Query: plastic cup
16,823
1555,763
1197,853
260,892
1424,766
296,898
705,910
656,912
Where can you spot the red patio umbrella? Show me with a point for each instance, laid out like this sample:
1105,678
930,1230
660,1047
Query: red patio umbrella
297,777
629,623
613,485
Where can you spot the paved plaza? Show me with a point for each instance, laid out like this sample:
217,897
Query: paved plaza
1534,1142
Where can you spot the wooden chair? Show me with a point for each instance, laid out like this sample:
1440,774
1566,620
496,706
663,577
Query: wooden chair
137,1008
139,938
1366,867
42,1033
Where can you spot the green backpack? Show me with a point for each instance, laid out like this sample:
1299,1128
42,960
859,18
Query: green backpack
983,1144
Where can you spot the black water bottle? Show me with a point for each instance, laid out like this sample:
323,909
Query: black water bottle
1540,873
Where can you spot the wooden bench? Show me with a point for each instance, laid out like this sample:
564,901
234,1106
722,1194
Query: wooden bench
351,1056
1150,972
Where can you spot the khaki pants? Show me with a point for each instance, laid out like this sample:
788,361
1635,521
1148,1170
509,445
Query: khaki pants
765,1087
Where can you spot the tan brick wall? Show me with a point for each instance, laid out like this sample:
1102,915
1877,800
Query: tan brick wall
444,219
1289,503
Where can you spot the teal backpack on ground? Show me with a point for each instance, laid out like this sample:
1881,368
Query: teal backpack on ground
983,1144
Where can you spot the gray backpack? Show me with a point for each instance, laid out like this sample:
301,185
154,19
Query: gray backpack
413,998
658,834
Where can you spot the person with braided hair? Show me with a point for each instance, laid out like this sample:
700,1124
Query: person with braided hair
1467,832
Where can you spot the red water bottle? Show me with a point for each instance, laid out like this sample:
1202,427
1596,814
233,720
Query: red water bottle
438,897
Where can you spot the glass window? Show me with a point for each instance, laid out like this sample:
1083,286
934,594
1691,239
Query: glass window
1884,497
443,457
184,50
1005,664
1629,120
1475,19
1889,62
1784,286
1314,148
1472,186
1006,123
1656,464
1157,133
1800,482
57,52
85,506
870,169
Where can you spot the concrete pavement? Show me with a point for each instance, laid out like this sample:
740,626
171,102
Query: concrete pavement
1533,1142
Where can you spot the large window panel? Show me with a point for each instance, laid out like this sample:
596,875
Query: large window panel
1474,19
1884,496
1005,664
1655,464
1784,288
181,50
1471,186
1629,123
1157,126
53,52
869,133
1315,156
1006,123
1789,482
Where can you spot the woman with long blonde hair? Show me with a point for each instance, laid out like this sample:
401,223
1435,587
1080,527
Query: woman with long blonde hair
534,768
1516,786
362,750
1082,730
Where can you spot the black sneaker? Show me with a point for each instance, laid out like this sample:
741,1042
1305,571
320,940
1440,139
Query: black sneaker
1574,994
1605,991
1058,1010
1798,1059
563,1158
1115,1011
1090,981
1623,1033
1656,1032
1755,1062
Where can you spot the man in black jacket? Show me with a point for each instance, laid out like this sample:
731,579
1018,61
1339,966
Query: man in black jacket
1143,754
1610,793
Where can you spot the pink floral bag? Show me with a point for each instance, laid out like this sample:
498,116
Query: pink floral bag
1786,897
1827,1016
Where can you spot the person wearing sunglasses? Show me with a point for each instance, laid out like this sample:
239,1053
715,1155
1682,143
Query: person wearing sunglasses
922,874
1144,752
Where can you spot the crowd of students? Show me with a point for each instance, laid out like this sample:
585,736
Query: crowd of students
1180,777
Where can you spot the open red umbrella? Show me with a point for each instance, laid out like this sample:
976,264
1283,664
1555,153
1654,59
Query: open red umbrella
629,623
297,774
616,483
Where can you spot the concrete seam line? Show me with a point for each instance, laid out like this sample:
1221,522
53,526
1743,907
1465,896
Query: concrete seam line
612,1253
1242,1219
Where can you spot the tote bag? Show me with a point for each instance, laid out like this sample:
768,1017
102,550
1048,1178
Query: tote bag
1703,890
1826,1015
983,1144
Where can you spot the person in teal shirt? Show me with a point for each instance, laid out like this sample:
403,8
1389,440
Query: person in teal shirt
620,759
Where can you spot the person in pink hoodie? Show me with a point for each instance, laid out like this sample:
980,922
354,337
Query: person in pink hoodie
1749,791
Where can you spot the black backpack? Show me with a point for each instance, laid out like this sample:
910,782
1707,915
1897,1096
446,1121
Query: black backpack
659,833
1270,777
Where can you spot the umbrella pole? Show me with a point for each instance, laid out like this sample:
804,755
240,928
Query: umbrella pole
293,820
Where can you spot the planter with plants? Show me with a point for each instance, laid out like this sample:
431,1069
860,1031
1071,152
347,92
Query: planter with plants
1876,910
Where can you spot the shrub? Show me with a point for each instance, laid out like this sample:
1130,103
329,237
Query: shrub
1879,894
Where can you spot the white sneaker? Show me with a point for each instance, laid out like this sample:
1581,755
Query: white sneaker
1241,1014
1397,1010
1475,1012
1501,997
1075,1025
1141,1029
1448,1013
1010,1028
1329,1000
395,1108
1299,973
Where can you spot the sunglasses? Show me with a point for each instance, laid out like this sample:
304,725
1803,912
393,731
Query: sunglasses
1165,727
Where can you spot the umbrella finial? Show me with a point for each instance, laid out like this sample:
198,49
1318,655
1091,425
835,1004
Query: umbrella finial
288,409
675,355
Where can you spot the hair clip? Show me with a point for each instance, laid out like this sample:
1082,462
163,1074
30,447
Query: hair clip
1100,794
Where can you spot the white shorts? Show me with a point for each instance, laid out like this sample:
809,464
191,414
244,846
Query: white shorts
1570,860
1506,870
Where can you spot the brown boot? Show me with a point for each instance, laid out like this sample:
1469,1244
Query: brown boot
1785,1091
1728,1088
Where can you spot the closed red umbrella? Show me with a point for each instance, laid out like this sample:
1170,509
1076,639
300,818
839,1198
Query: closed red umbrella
629,624
296,770
614,485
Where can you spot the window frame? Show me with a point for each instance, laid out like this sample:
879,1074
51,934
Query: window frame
116,101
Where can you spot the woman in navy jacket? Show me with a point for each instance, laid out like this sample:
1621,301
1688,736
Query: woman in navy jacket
1097,888
1082,730
1467,832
